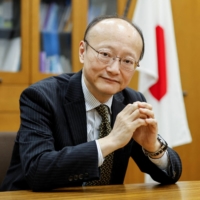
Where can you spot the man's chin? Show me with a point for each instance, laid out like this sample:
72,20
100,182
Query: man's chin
109,92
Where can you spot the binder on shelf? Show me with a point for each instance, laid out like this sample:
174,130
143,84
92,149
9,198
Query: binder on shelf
51,46
65,51
96,8
6,11
59,16
12,60
10,41
42,61
6,14
43,15
65,44
51,23
64,21
102,7
1,16
68,25
47,13
3,50
65,64
55,47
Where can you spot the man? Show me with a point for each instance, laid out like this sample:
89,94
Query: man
58,143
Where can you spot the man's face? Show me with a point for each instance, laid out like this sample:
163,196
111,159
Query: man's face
122,40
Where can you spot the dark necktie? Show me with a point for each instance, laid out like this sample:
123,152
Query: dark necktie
104,130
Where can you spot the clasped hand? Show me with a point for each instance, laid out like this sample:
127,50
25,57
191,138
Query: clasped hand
136,120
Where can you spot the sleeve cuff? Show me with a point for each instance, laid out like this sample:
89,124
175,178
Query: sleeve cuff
100,156
162,162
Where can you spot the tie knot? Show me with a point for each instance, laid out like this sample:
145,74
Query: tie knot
103,111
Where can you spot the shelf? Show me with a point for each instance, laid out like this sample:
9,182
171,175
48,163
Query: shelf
22,76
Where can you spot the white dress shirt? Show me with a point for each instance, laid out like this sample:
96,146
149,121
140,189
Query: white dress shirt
94,121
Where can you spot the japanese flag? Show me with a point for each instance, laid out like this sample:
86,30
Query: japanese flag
159,78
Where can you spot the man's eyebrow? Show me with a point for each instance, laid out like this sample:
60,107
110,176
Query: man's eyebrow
129,53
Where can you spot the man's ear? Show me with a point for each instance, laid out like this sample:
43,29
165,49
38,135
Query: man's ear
81,51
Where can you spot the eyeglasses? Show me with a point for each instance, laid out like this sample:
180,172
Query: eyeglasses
108,58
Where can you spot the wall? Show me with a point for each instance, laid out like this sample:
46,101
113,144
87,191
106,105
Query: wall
186,14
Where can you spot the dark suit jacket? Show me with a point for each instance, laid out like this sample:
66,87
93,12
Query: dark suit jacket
51,148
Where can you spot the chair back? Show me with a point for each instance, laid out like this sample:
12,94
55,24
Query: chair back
7,140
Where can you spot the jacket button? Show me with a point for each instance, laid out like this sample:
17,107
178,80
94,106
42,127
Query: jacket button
86,175
70,178
75,177
80,176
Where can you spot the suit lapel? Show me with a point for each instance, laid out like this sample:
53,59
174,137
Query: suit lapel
75,109
117,106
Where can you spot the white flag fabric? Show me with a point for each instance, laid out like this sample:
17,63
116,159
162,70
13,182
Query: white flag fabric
159,78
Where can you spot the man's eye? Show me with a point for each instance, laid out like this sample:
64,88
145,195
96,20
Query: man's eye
105,54
128,61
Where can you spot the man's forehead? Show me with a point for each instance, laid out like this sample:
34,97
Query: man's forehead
113,22
108,25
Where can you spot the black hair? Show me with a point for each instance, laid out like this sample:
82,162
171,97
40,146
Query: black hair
103,17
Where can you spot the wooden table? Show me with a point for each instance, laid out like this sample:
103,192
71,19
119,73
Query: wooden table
180,190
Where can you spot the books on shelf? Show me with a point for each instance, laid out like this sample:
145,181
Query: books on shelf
55,52
65,20
1,16
54,64
6,14
102,7
96,8
3,50
50,54
43,11
51,19
11,54
54,17
55,20
10,41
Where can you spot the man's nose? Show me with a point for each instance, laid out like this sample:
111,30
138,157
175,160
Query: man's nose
115,65
116,59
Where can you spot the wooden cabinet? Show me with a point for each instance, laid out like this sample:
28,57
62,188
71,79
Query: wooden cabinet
79,21
9,106
12,84
22,76
79,16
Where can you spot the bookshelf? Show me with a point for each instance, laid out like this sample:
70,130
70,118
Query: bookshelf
12,83
79,21
79,16
22,76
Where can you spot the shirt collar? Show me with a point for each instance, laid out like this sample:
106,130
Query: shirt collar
90,101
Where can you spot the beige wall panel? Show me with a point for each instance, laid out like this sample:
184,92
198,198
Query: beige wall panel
9,97
187,28
9,122
186,14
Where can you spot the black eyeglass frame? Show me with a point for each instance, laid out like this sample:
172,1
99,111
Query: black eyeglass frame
136,63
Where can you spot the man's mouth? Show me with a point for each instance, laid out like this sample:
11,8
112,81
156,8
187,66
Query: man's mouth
110,79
